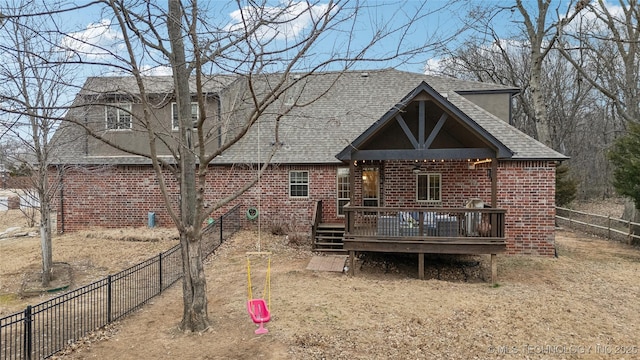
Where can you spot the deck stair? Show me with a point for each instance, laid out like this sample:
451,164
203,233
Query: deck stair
329,238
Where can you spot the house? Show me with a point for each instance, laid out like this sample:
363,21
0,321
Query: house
386,155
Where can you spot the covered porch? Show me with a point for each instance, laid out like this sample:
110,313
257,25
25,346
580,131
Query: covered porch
412,177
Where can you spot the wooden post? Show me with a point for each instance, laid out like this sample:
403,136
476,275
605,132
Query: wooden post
352,255
494,269
494,183
421,266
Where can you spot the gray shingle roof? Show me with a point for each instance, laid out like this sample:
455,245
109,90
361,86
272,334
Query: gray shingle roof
153,84
316,133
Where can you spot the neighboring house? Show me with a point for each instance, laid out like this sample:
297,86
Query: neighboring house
415,156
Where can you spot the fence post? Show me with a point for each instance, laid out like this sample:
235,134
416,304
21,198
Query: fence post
108,299
570,213
609,226
221,217
28,336
629,235
160,271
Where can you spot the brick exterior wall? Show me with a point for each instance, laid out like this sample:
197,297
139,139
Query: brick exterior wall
526,189
122,196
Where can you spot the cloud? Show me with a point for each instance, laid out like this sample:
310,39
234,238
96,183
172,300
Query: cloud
434,66
96,41
588,18
161,70
280,23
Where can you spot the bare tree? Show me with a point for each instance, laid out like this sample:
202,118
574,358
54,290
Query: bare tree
32,101
270,58
579,118
604,46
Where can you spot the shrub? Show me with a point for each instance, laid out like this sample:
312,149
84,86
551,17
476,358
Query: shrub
566,187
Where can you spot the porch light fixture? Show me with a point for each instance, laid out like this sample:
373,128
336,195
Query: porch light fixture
472,165
416,169
482,161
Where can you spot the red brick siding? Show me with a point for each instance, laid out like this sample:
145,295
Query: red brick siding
526,189
122,196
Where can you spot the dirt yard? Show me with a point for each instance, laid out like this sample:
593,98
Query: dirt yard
584,304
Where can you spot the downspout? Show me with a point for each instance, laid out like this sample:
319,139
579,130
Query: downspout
494,182
61,198
86,137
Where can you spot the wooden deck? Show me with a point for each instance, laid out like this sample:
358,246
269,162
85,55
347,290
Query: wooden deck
425,231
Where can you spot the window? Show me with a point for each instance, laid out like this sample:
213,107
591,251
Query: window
118,116
174,115
299,184
428,187
370,186
344,191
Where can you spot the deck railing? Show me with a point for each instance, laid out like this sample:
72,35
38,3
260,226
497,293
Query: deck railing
417,223
316,217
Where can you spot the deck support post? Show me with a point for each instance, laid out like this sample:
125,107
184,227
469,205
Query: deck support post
352,255
421,266
494,269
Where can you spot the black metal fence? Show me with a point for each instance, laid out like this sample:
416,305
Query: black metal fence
42,330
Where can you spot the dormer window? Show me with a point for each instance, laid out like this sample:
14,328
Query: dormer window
118,116
174,115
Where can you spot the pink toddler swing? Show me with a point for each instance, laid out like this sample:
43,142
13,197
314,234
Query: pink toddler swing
259,308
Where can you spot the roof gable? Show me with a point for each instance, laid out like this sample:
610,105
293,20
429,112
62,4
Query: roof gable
424,125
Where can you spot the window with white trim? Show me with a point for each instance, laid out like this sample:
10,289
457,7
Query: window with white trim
299,184
118,116
344,189
428,187
174,115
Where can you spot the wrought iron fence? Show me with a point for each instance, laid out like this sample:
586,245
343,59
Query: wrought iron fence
42,330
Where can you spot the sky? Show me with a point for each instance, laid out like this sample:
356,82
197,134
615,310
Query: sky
436,19
93,32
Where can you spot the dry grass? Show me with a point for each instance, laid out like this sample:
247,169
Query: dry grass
583,304
92,255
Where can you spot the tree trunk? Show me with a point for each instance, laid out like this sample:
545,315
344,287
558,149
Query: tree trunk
539,104
194,285
535,29
45,241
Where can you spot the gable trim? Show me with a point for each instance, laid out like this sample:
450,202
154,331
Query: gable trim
499,150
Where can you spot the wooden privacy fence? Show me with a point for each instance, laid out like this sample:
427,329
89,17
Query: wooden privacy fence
606,226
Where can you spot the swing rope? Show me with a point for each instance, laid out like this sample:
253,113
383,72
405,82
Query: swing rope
259,308
266,292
